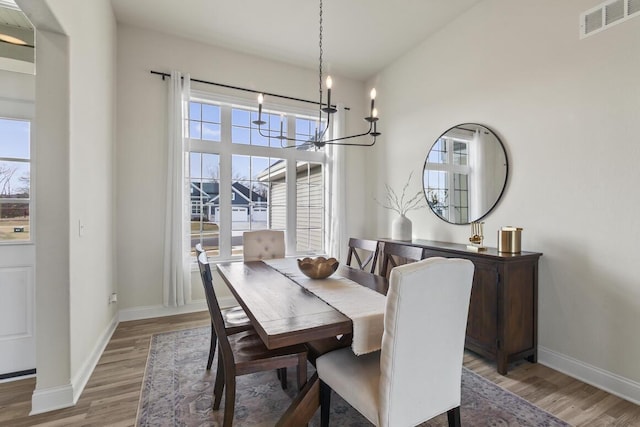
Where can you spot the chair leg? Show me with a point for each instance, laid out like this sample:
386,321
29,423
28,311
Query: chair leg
219,385
325,404
453,416
302,371
230,400
282,375
212,348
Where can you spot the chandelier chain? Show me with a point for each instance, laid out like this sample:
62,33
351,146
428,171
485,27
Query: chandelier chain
322,126
320,61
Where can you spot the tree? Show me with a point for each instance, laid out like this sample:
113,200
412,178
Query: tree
6,175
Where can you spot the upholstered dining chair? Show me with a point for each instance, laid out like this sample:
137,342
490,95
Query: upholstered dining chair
199,249
417,373
243,353
394,254
368,249
263,244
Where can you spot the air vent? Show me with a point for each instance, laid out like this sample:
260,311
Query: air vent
607,14
613,12
593,21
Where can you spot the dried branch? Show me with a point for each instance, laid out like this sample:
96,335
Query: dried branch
404,203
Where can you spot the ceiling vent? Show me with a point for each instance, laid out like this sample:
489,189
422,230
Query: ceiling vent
607,14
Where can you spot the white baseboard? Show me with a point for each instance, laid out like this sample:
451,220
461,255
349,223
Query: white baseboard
148,312
59,397
605,380
80,379
50,399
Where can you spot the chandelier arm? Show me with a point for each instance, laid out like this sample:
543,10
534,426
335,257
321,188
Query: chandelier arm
333,140
319,142
276,135
351,144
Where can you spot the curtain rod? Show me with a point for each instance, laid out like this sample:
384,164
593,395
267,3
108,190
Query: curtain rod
165,75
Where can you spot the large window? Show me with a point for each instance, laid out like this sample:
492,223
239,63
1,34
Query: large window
241,180
15,180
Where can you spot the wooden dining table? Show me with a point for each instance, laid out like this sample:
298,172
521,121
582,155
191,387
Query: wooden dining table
284,313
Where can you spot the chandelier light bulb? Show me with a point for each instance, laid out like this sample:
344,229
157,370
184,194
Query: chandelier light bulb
374,113
373,93
329,82
259,122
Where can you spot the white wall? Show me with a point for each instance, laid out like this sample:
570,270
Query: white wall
51,134
141,152
17,93
75,123
568,112
92,34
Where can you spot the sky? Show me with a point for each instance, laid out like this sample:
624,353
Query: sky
14,155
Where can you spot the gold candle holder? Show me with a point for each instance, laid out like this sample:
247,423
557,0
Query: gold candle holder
477,237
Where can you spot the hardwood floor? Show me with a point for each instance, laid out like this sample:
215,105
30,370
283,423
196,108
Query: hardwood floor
111,395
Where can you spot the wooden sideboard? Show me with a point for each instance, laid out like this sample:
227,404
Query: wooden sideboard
503,312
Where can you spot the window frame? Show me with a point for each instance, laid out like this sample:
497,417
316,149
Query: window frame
226,149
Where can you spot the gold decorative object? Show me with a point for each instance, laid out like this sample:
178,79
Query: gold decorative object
477,237
509,239
318,268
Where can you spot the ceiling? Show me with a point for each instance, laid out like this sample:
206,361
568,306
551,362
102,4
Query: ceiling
360,37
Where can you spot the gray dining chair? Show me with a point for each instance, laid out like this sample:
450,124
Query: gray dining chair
416,375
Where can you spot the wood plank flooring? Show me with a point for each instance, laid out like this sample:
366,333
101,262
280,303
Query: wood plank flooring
111,395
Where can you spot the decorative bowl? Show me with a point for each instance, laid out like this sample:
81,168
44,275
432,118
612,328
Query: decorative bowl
318,268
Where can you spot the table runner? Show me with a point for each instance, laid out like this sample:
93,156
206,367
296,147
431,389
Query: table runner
365,307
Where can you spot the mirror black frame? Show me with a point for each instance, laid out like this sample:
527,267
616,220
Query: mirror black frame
504,185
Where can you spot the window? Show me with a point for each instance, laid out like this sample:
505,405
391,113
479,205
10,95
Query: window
241,180
15,180
310,206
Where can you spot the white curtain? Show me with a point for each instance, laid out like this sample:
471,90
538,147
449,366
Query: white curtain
337,189
177,241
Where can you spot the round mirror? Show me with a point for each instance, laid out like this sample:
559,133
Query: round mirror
465,173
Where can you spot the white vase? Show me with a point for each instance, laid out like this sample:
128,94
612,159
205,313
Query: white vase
401,228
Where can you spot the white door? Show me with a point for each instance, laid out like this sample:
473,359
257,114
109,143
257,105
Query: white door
17,251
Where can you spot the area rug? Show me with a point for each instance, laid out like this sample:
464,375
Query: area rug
177,391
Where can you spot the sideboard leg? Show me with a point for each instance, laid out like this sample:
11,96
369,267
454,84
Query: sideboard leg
501,362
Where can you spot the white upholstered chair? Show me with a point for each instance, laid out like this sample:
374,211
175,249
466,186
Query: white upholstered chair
263,244
416,375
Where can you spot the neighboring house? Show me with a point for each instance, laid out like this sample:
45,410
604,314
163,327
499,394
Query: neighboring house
310,200
246,205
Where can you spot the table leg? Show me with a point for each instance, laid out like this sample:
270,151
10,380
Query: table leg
303,406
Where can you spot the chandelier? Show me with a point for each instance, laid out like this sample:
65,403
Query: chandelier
318,138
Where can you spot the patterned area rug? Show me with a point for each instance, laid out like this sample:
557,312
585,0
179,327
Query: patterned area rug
177,391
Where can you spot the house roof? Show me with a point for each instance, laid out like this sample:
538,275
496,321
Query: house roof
211,192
